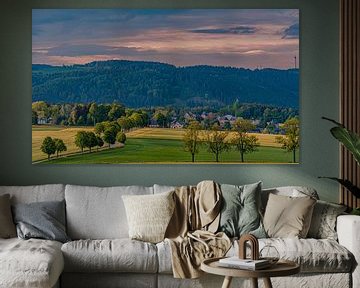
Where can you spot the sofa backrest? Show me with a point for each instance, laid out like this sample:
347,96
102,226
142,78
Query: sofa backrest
98,212
163,188
293,191
35,193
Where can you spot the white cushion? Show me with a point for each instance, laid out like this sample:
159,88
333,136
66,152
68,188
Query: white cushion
164,257
98,213
149,215
313,255
36,193
348,229
30,263
117,255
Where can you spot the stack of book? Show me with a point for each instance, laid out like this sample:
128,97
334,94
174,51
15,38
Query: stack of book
248,264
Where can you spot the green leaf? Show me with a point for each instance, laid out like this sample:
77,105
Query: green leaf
349,139
347,184
333,121
355,211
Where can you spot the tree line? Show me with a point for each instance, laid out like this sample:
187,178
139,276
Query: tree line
216,143
51,146
105,132
145,84
80,114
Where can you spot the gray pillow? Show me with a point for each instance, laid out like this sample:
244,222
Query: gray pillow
240,213
44,220
7,227
323,222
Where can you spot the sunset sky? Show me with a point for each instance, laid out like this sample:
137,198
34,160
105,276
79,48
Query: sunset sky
252,38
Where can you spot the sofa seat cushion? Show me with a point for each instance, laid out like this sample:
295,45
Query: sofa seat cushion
115,255
30,263
313,255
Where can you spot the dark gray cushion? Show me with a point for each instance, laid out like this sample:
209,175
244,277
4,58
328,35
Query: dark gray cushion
7,227
43,220
240,213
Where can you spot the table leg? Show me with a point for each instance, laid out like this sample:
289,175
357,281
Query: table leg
254,282
227,282
267,283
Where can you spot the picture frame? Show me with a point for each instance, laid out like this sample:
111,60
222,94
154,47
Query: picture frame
178,86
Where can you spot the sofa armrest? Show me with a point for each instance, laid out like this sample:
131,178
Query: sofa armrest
348,230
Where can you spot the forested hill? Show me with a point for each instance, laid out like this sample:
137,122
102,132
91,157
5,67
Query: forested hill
144,84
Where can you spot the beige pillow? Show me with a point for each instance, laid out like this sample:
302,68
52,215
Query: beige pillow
149,215
288,217
7,226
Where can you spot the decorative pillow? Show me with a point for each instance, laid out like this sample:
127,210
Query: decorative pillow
7,226
288,217
240,213
291,191
44,220
149,215
323,222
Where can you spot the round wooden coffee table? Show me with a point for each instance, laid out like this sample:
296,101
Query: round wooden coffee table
281,268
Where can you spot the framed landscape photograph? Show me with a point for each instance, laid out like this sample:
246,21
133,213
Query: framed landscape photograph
196,86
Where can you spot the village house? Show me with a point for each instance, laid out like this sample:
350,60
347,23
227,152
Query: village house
176,125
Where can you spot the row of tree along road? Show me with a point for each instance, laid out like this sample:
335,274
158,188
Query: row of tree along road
244,141
215,139
106,132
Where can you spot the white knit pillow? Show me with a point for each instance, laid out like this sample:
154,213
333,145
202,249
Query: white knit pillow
149,215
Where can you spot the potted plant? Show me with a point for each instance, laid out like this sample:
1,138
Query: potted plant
351,141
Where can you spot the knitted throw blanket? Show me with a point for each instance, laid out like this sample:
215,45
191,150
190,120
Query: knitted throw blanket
191,232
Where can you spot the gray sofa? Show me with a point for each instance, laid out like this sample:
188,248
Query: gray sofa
101,255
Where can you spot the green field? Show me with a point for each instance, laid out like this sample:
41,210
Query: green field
149,145
140,150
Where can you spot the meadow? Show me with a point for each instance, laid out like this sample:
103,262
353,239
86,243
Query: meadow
39,132
150,145
267,140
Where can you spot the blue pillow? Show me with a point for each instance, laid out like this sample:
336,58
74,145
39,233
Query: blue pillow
43,220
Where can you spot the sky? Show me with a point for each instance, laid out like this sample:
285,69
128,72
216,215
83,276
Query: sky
249,38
